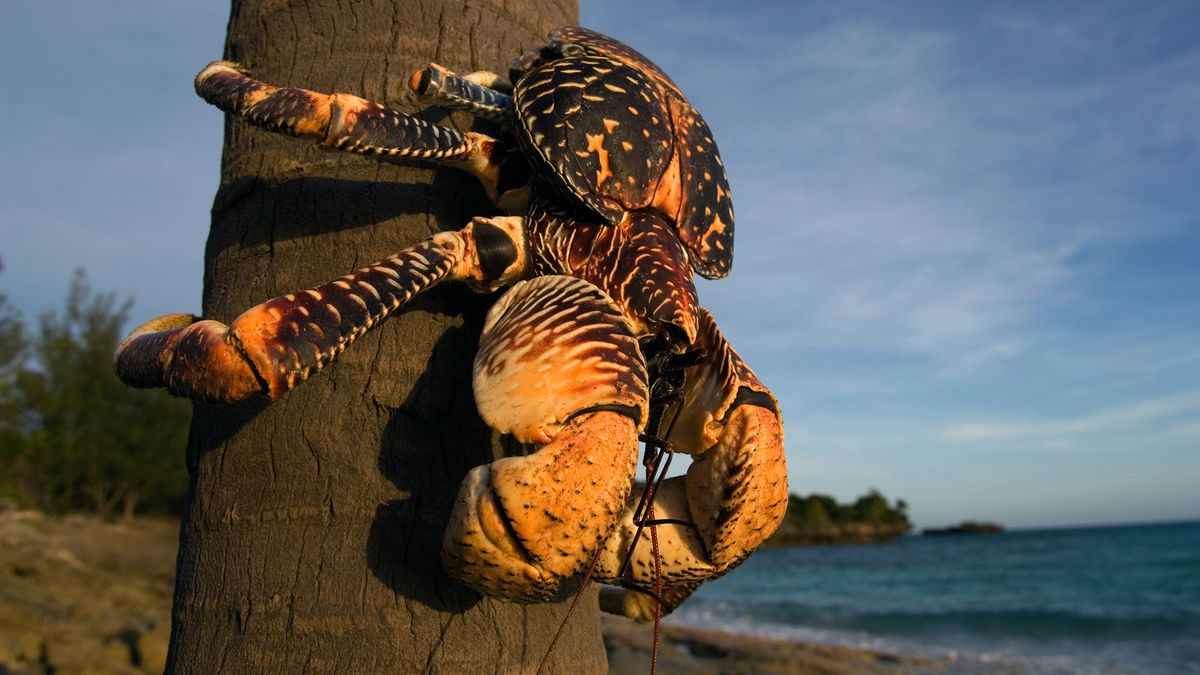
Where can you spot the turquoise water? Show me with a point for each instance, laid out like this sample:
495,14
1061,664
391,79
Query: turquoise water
1103,599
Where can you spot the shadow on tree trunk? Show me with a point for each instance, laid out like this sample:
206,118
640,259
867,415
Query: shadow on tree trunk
312,533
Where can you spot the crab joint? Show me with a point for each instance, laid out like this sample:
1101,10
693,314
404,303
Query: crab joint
495,252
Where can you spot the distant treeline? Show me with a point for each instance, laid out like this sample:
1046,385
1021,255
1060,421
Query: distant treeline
72,437
820,519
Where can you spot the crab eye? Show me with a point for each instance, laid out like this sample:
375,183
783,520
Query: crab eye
557,50
524,63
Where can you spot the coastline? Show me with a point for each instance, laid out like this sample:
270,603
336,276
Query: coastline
690,649
836,534
52,618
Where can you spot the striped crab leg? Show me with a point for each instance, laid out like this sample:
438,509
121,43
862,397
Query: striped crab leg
274,346
346,122
732,498
478,93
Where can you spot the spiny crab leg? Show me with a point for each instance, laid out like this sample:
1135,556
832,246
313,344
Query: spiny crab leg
276,345
732,498
346,122
473,93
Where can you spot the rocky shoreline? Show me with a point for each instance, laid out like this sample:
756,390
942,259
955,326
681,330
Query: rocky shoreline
80,595
838,533
965,527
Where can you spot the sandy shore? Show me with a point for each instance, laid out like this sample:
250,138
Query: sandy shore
79,595
694,650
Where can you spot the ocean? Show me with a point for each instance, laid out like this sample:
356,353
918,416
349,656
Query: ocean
1121,599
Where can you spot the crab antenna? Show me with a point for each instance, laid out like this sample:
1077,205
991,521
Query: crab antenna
587,579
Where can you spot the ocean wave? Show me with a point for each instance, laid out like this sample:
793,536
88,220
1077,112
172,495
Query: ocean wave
1105,600
1017,623
1029,642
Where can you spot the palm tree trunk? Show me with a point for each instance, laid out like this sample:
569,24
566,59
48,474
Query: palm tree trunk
313,527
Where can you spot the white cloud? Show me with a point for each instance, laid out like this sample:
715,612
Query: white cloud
897,198
920,194
1059,432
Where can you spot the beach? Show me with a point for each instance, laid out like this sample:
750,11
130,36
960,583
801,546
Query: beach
79,594
686,649
82,595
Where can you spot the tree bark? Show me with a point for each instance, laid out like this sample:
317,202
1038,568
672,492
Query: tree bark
313,527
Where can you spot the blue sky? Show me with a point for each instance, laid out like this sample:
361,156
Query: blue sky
968,249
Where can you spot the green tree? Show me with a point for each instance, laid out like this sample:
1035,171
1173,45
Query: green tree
818,509
13,352
811,510
815,511
92,442
871,508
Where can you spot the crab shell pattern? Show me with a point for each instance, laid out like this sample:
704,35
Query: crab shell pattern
618,197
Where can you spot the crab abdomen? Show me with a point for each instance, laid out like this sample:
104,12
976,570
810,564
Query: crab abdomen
640,264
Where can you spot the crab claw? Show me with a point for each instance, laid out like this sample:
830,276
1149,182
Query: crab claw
188,357
557,367
734,494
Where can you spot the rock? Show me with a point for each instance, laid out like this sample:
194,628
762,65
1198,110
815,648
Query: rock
87,655
81,595
152,648
19,647
825,534
966,527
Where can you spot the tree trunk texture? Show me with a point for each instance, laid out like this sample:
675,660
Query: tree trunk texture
312,533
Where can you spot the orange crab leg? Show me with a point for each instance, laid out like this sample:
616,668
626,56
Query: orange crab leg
352,124
276,345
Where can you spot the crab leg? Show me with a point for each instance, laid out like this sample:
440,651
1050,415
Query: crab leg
473,93
558,367
276,345
733,496
346,122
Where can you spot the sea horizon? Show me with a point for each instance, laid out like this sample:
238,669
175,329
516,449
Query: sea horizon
1114,598
1187,520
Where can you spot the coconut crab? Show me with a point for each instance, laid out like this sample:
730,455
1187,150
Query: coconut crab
618,197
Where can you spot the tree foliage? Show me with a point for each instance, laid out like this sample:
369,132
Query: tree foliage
72,437
872,508
13,352
820,519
